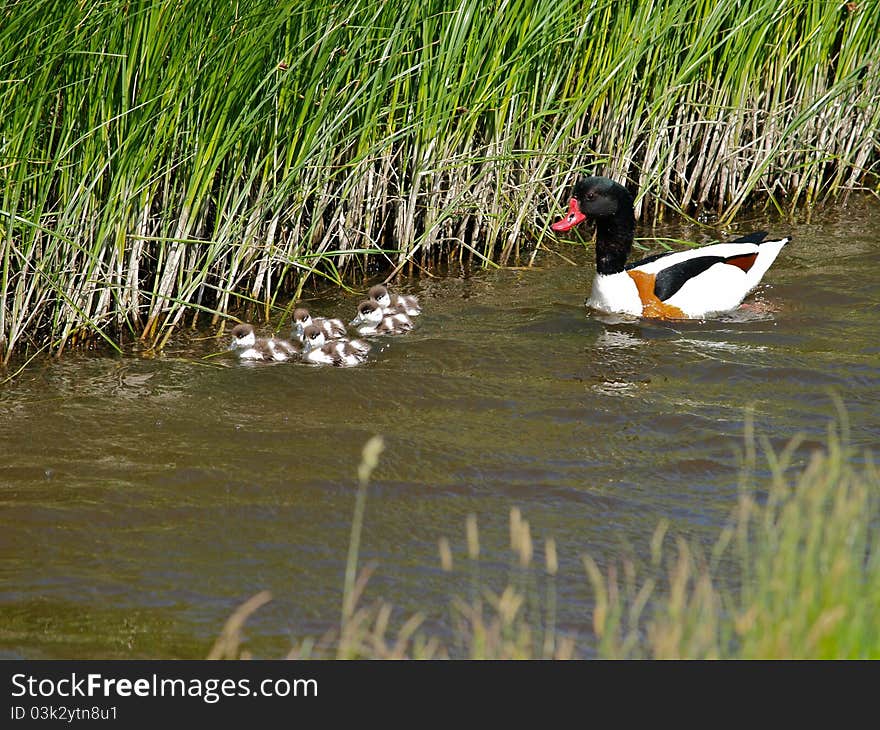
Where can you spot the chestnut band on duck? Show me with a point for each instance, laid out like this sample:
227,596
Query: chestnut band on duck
670,285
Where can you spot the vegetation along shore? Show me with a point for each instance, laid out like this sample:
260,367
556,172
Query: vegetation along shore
793,575
164,164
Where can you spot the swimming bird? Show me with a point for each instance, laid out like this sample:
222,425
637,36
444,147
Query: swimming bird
372,320
250,347
671,285
332,328
340,352
394,303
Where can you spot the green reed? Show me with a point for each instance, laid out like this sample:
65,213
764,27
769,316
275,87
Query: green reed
167,163
806,555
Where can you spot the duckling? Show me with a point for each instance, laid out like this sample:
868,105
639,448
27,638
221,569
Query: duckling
372,320
250,347
341,353
333,329
394,303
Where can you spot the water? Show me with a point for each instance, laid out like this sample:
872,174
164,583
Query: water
143,500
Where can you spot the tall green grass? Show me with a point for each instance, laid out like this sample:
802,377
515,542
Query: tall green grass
806,554
165,162
794,575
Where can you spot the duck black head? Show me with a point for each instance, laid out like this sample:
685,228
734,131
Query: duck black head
600,198
610,205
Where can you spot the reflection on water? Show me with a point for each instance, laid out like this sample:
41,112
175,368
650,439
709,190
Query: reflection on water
144,499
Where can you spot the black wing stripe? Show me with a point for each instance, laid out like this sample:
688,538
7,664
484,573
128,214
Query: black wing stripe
673,278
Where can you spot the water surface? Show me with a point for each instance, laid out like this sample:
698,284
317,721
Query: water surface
143,500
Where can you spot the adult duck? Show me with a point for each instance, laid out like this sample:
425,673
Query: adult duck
671,285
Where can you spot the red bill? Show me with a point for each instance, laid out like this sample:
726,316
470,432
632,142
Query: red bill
572,219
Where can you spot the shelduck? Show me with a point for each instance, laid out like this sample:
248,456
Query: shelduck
248,346
672,285
333,329
372,320
394,303
340,352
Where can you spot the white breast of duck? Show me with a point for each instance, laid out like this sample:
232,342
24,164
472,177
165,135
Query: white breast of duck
676,285
339,352
372,320
332,328
395,303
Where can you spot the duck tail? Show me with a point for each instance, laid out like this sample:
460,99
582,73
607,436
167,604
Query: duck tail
767,253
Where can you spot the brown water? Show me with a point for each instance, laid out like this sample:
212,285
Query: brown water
143,500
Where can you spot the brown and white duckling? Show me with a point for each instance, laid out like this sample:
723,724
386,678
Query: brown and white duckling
394,303
285,349
341,353
250,347
333,329
371,319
